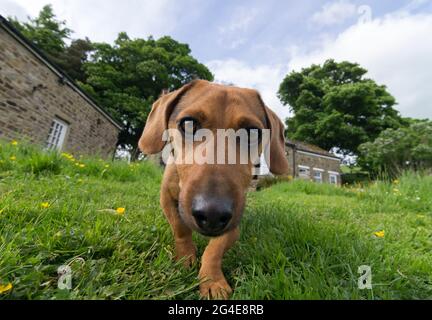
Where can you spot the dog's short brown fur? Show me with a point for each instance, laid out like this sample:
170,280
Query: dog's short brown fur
215,107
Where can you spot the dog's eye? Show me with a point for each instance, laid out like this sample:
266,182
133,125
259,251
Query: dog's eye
188,125
254,135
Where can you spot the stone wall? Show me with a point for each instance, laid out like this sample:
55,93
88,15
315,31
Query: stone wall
291,157
318,162
32,95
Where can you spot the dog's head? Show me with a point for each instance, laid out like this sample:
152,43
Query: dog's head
212,192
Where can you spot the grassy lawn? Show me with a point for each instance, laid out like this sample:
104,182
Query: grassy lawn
299,240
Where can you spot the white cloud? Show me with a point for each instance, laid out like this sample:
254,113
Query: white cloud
13,9
101,20
240,21
395,49
413,4
232,33
334,13
397,52
264,78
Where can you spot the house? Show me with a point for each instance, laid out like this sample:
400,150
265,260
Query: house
310,162
41,104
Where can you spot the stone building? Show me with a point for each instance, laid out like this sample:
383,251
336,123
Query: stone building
41,104
310,162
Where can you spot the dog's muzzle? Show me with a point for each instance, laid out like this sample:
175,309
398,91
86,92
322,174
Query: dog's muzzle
212,214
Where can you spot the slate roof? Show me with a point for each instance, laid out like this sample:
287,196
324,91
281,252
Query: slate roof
303,146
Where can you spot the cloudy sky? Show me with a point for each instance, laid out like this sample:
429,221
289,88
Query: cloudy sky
255,43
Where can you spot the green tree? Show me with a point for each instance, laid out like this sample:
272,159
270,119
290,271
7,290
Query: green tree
334,106
128,76
72,59
395,150
51,36
45,31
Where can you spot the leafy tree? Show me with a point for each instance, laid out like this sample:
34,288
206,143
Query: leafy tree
45,31
72,59
128,76
395,150
51,36
336,107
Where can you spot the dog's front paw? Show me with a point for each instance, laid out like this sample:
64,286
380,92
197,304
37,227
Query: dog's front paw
186,253
211,289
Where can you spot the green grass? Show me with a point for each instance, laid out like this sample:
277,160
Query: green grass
299,240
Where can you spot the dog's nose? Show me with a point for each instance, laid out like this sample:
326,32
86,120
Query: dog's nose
212,214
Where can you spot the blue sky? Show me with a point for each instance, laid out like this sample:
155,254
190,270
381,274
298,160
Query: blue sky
256,43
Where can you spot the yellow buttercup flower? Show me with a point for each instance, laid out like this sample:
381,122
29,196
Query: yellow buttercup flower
45,205
67,155
379,234
120,211
5,288
82,165
14,142
12,158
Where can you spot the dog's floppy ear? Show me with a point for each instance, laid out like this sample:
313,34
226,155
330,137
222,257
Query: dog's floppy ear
151,141
278,161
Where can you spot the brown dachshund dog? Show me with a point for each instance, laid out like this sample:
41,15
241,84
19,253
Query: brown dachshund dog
209,198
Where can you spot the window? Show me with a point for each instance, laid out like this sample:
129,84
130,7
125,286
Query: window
318,176
57,134
304,172
333,178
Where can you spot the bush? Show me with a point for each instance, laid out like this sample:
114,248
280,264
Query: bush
394,151
267,182
355,178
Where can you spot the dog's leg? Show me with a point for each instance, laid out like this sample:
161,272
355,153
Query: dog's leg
184,246
213,282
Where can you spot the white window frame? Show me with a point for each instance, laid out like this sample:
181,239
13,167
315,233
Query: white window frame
318,171
304,175
335,176
57,134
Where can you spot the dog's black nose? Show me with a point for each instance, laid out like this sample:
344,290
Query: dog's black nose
212,214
